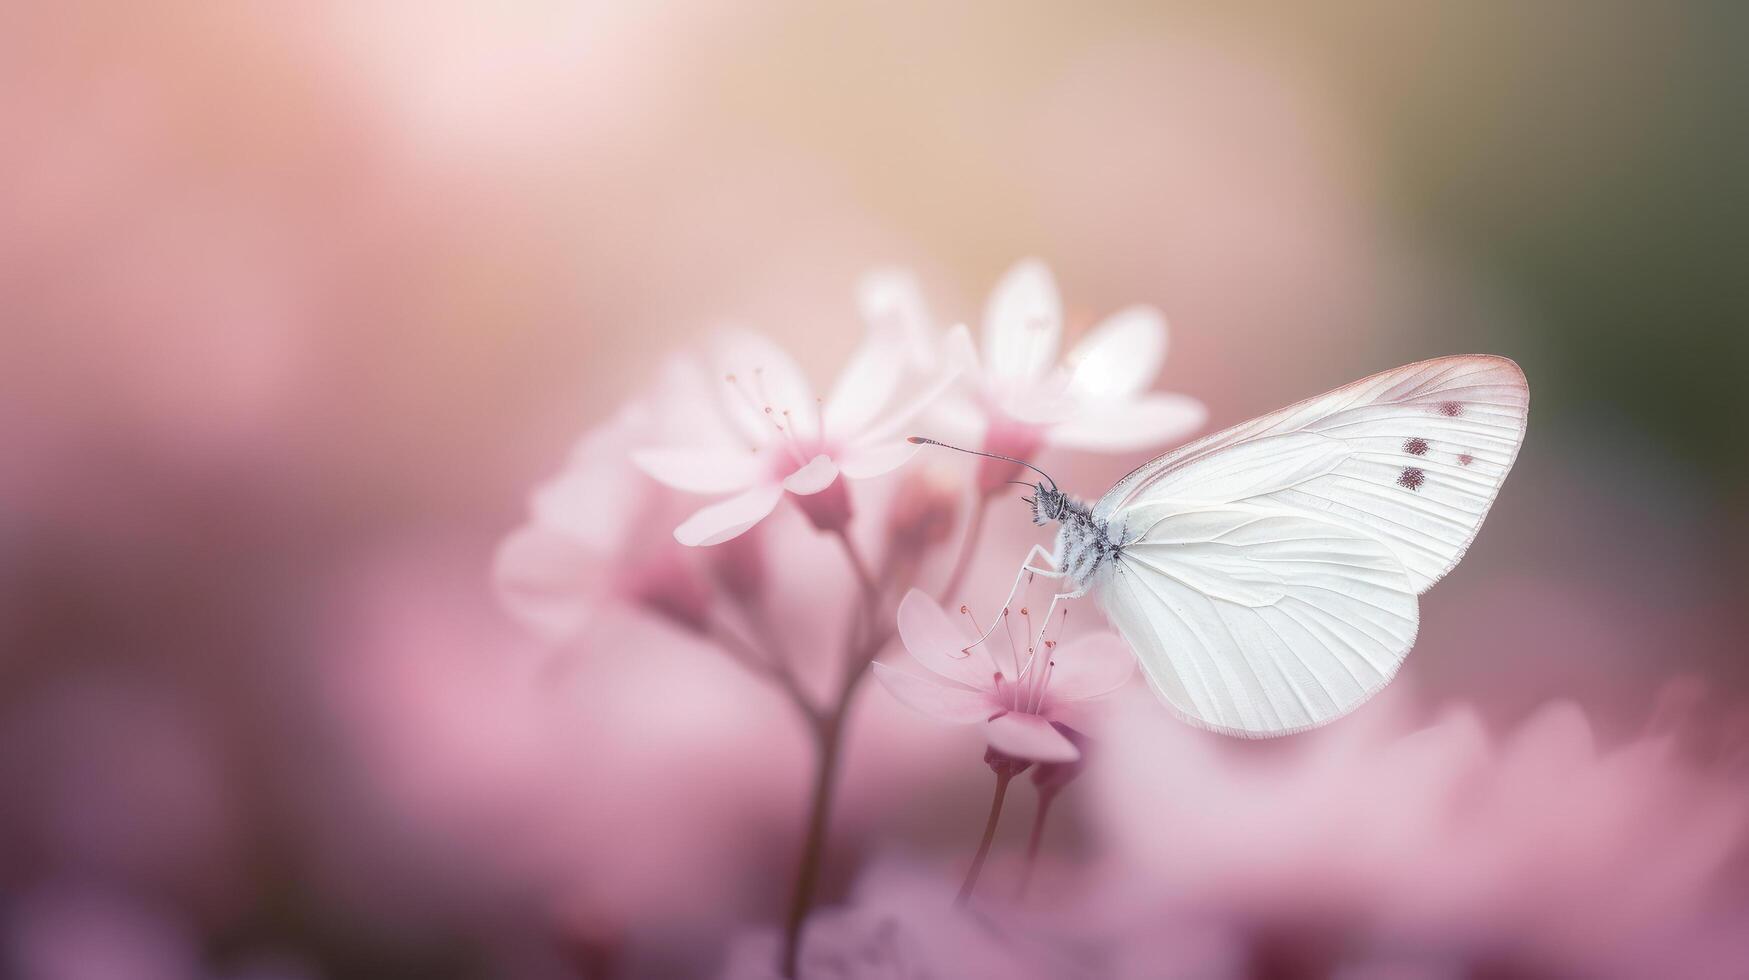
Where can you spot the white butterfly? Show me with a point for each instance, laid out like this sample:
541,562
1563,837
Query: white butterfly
1266,576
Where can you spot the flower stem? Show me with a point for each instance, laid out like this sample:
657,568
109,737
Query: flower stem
862,645
968,546
870,592
1003,775
1045,798
826,746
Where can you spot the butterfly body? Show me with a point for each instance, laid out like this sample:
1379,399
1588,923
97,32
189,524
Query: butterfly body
1085,545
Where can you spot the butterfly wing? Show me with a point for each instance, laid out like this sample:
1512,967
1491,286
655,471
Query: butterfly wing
1413,457
1258,621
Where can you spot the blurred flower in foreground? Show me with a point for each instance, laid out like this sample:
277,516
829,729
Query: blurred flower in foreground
1541,855
1018,398
1019,702
780,437
68,931
899,925
597,534
589,542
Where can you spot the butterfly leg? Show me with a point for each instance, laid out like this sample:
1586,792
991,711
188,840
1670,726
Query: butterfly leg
1038,642
1026,568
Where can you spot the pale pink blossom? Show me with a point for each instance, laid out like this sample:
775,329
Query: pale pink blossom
1017,397
588,542
775,436
900,924
1020,700
1540,848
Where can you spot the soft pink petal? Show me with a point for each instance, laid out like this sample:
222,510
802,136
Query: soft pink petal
599,495
1121,356
1023,322
897,422
938,641
959,352
1148,422
763,376
1089,666
1046,401
862,462
812,478
704,470
892,305
548,582
866,386
957,417
946,702
685,406
1027,736
721,521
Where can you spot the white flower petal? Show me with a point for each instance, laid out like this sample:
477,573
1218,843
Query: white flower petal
686,407
1023,323
1090,666
958,351
1150,421
812,478
863,462
1025,736
907,407
957,418
1120,357
866,386
892,306
935,698
721,521
703,470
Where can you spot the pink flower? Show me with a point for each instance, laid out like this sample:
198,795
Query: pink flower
586,543
899,924
779,437
1539,848
1016,701
1019,397
593,539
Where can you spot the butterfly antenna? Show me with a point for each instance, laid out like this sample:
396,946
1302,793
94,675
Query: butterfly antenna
922,441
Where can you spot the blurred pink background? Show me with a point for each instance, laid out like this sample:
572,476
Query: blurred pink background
298,303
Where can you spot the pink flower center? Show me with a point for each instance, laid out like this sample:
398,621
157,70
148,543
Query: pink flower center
1021,684
799,436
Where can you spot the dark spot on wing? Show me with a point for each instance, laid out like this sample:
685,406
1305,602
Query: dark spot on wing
1451,409
1416,446
1465,459
1412,477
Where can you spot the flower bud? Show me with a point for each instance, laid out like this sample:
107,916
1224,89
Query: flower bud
829,510
1000,762
1051,777
1006,437
924,508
